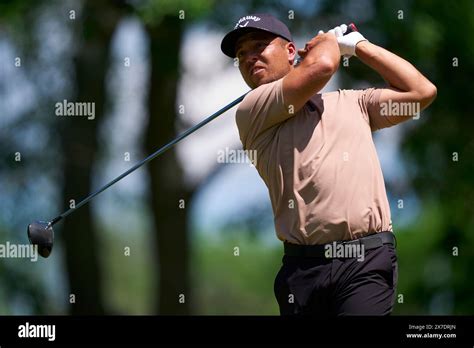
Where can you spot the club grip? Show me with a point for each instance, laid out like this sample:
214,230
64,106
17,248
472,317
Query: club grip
350,28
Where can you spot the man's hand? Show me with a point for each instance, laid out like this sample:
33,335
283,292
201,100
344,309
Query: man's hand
320,37
347,43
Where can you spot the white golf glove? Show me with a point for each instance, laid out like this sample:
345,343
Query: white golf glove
347,43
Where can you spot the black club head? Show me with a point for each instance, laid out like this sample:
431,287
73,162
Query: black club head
41,235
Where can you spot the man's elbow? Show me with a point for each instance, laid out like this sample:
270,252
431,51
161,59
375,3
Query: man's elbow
323,68
328,65
427,94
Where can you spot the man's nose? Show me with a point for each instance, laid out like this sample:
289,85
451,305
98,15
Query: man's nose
254,54
251,57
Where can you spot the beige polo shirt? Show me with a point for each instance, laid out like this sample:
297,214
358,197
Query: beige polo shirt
319,164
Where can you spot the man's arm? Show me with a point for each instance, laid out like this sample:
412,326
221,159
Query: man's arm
406,83
321,58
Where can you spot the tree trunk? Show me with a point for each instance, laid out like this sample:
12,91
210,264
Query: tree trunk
79,141
167,187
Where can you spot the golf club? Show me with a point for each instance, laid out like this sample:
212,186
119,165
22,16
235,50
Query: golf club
41,233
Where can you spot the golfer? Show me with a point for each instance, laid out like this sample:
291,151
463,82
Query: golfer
317,157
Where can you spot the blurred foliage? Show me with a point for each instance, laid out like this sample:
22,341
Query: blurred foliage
225,281
431,280
234,276
152,11
13,11
20,290
128,287
253,224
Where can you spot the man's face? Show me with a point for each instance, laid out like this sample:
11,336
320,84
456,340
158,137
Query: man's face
264,57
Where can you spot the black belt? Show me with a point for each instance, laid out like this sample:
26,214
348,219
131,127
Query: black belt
369,242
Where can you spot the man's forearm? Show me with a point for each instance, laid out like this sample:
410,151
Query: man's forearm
321,59
398,73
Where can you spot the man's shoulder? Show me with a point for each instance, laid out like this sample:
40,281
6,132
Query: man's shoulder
342,92
348,94
260,97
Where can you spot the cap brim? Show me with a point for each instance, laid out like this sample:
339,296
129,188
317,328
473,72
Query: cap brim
229,41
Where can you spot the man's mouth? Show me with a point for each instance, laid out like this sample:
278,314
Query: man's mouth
256,70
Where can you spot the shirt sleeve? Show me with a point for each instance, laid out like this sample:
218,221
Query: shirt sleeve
369,100
260,110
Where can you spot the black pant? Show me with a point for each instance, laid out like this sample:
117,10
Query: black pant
339,286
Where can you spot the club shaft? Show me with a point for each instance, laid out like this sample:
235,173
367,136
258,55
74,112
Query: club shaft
149,158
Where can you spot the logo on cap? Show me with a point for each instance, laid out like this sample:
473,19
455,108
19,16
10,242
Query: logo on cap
246,18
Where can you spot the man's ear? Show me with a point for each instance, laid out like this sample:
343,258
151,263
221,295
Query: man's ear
291,49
